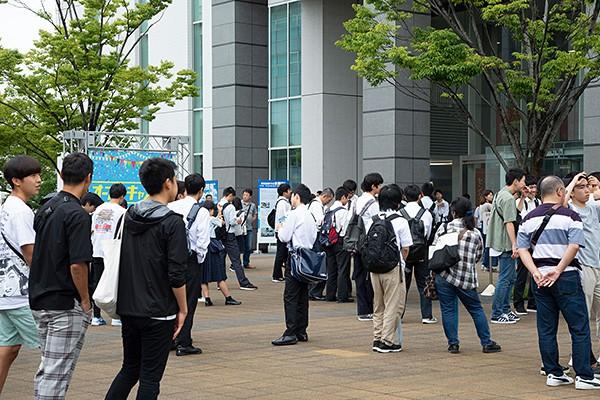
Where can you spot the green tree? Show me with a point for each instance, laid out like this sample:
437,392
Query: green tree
79,75
532,92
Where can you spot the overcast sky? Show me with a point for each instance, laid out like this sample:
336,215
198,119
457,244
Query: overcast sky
19,27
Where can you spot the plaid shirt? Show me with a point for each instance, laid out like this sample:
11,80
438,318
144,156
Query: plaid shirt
470,249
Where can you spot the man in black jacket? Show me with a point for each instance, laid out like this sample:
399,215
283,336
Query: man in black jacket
152,294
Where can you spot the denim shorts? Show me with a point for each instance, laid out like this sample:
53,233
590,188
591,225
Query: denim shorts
17,327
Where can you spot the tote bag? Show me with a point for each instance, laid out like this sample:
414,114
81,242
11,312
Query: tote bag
105,295
308,266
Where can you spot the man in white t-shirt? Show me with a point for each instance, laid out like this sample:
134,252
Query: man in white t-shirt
17,238
104,225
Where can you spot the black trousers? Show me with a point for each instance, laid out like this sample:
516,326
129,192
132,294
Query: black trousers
146,345
421,272
295,304
233,252
280,258
523,276
193,281
97,268
338,273
364,288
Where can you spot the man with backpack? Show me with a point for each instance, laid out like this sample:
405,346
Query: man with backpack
420,222
384,250
317,208
196,220
366,208
282,208
338,260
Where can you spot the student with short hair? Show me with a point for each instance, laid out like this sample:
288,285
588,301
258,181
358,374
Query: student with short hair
198,238
58,280
298,231
317,208
104,225
338,260
282,208
153,310
252,213
441,210
90,201
231,243
368,206
17,238
388,288
181,192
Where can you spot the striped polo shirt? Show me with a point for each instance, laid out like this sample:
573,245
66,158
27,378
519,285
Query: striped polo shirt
564,228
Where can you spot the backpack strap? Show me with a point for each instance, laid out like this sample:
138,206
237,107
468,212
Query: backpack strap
405,214
366,207
420,214
10,246
191,217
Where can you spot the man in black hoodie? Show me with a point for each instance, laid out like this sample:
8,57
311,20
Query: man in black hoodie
152,294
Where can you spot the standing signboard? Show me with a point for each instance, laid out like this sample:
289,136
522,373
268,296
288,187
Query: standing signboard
212,188
121,166
267,197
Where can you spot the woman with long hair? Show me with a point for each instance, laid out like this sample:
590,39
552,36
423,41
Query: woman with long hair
460,281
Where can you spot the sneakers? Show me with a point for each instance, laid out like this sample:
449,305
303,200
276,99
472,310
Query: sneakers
586,384
98,321
531,309
376,344
492,347
248,286
520,310
512,316
543,371
365,317
454,349
386,348
278,280
552,380
116,322
503,319
430,320
230,301
596,369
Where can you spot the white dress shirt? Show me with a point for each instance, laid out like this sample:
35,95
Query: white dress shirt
199,232
317,210
340,216
351,206
299,228
229,215
412,209
369,212
441,211
283,208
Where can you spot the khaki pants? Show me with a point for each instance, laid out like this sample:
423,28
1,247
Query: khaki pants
590,280
388,304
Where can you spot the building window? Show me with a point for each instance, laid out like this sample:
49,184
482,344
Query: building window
285,135
197,117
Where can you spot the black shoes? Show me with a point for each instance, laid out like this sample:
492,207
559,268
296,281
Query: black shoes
207,302
453,349
348,300
187,350
302,337
316,298
248,286
493,347
376,344
285,341
386,348
230,301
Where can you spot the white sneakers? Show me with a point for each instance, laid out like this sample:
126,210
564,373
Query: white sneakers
116,322
428,321
580,383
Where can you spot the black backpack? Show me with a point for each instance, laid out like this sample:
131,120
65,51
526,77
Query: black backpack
271,216
379,249
418,251
355,232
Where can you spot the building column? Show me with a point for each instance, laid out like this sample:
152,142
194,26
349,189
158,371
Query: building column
331,97
396,130
239,82
591,122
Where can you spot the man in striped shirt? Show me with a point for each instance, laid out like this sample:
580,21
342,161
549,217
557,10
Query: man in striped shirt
554,266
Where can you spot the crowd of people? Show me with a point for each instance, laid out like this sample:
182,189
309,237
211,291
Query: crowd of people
542,235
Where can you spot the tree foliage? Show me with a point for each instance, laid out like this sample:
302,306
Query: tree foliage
79,74
532,91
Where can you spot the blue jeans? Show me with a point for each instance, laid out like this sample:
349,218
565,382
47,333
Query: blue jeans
449,296
506,281
486,253
248,248
566,296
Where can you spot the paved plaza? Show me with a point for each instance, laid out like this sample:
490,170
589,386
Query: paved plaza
239,361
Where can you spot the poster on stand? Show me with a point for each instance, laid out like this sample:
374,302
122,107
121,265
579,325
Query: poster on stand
121,166
212,188
267,196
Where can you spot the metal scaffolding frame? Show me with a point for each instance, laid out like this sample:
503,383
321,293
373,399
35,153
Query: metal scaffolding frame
82,141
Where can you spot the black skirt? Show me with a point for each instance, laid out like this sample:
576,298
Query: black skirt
214,265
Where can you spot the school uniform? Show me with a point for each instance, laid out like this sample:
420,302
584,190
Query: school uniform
338,286
298,231
282,208
214,263
317,210
231,244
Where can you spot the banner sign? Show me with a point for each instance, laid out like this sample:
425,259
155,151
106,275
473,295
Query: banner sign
267,197
212,188
121,166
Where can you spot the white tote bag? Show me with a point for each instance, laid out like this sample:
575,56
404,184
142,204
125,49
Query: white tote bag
105,295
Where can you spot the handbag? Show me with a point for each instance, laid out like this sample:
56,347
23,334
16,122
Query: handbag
430,291
105,295
308,266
